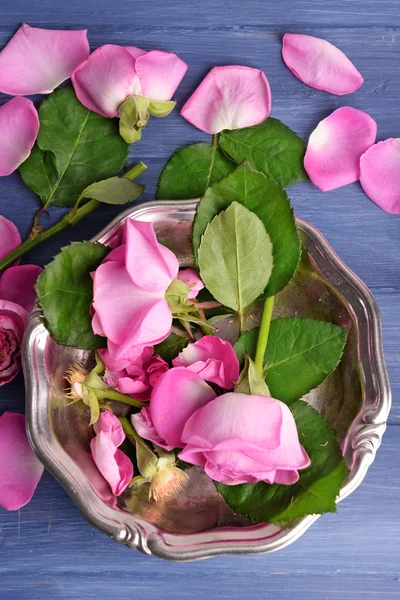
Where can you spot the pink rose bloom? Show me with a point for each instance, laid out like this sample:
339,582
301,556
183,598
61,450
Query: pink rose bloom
112,463
135,375
192,279
177,395
245,439
129,289
213,359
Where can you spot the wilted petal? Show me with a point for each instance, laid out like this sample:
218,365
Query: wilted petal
35,61
380,174
229,97
17,285
19,126
159,73
20,469
106,79
334,149
9,236
192,279
320,64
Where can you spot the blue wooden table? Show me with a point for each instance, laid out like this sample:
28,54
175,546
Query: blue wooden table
47,549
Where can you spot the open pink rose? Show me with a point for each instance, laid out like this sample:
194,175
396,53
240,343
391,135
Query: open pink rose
135,375
129,302
112,463
176,396
244,439
213,359
20,469
192,279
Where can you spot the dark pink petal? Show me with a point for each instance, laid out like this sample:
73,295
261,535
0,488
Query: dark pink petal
192,279
17,285
106,79
13,321
36,61
19,126
334,149
9,236
320,64
380,174
20,469
229,97
159,73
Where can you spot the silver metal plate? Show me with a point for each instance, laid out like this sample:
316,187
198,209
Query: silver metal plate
355,399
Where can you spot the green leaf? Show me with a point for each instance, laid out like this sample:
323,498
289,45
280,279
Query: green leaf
318,485
114,190
65,291
246,344
190,171
171,347
270,147
270,203
74,148
235,257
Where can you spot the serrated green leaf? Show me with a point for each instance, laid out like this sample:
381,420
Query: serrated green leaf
235,257
114,190
171,347
270,147
190,171
270,203
65,291
75,147
246,344
318,485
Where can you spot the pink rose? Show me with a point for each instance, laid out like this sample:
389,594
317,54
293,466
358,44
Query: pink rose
192,279
213,359
129,289
135,375
245,439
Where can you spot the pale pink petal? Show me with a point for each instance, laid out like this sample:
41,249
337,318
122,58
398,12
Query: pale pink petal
144,426
20,469
9,236
288,477
380,174
334,149
19,126
229,97
36,61
320,64
160,73
135,52
111,425
112,463
106,79
192,279
17,285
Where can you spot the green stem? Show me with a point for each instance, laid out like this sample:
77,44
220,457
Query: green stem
215,140
68,220
131,434
114,395
264,333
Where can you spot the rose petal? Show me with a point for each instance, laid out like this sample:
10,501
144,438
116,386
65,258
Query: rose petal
106,79
159,73
20,469
9,236
17,285
380,174
192,279
320,64
144,426
36,61
111,425
19,126
135,52
334,149
112,463
229,97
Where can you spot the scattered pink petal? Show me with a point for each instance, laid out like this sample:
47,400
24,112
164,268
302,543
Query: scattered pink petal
334,149
229,97
9,236
192,279
320,64
17,285
36,61
19,126
159,73
20,469
106,79
380,174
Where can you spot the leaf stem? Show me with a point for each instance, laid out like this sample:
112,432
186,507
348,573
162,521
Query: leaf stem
215,140
264,333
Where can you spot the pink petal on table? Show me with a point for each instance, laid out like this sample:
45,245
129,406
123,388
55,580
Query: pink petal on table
106,79
135,52
380,174
17,285
320,64
35,61
334,149
160,73
19,126
20,469
9,236
192,279
229,97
